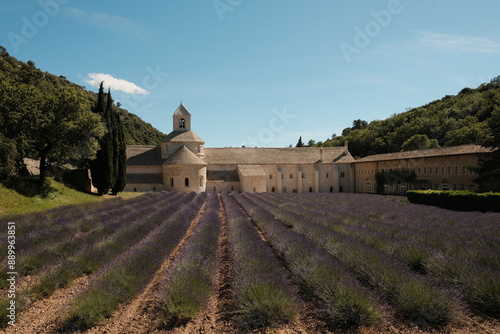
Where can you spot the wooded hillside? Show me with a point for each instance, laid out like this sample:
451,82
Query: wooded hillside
137,132
465,118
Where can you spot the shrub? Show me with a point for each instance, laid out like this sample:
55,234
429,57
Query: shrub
456,200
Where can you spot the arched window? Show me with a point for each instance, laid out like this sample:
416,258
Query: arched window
310,189
171,181
201,180
272,189
368,187
186,182
154,188
270,176
331,189
182,123
135,190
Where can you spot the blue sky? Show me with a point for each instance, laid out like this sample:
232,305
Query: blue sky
261,73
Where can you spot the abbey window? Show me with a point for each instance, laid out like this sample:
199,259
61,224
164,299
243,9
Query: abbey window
182,123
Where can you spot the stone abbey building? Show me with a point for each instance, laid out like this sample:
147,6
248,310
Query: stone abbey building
182,163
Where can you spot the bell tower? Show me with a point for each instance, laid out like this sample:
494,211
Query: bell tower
182,119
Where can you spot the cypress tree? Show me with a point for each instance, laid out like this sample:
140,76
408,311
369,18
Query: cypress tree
102,167
121,156
96,165
113,140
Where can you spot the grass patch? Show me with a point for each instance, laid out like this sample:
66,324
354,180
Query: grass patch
23,196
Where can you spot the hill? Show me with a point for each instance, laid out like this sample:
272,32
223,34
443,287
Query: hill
453,120
137,132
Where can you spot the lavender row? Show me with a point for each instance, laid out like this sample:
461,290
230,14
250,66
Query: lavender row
263,297
122,279
77,220
414,297
481,228
39,221
44,254
190,280
347,302
35,252
103,250
454,263
412,244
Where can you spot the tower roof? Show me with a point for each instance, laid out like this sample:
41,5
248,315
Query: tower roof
181,111
182,137
183,156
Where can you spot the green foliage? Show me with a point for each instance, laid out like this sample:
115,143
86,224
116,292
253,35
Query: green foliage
43,116
46,122
489,168
300,143
102,166
120,158
419,304
261,304
419,142
109,167
393,177
456,200
8,156
20,195
454,120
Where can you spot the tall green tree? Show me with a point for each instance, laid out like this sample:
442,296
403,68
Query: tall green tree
67,131
300,143
54,126
113,133
102,168
120,156
489,167
109,168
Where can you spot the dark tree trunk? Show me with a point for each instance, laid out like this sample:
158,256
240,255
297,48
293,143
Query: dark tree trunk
43,166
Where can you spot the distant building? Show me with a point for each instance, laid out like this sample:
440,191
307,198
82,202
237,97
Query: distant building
182,163
445,168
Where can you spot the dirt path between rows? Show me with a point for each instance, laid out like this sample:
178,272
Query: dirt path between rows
218,315
46,315
143,314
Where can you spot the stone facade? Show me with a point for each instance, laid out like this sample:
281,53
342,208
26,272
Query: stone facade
182,163
439,169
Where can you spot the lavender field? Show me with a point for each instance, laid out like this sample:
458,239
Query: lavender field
235,263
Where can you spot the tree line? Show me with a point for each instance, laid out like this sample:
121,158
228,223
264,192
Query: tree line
58,124
470,117
466,118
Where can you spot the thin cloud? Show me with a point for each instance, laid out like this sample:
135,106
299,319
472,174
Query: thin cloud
95,79
119,24
461,43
